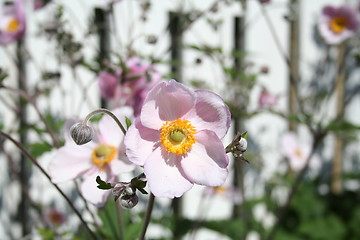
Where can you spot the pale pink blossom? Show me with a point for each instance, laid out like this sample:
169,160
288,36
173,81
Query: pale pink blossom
129,86
267,100
177,138
103,156
54,217
12,22
337,24
297,152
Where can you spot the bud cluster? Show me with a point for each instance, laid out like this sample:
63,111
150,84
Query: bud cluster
127,194
238,146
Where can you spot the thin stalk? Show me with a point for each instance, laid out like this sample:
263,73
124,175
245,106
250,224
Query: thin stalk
34,161
103,110
147,216
23,94
120,220
336,186
295,186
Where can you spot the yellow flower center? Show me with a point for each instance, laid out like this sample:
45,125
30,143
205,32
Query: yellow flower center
13,25
177,136
338,24
220,189
299,153
103,154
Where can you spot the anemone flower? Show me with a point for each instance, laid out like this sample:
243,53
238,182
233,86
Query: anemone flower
297,153
103,156
108,84
179,132
12,22
337,24
267,100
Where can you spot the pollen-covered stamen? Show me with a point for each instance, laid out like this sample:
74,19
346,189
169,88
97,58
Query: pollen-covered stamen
338,24
177,136
13,25
103,154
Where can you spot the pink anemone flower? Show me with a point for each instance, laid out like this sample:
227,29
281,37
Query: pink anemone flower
338,24
179,132
297,153
12,22
267,100
103,156
108,84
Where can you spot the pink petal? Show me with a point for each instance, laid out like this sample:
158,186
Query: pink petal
210,112
289,144
90,191
206,163
140,142
110,132
166,102
70,162
165,176
122,165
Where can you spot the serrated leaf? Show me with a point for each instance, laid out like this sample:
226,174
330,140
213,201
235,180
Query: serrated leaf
102,184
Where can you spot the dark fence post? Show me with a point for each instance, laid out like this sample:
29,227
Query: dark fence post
102,23
176,20
25,168
294,47
239,47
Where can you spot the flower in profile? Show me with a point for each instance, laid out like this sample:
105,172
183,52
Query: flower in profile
337,24
104,156
179,132
12,22
267,100
130,85
54,217
297,153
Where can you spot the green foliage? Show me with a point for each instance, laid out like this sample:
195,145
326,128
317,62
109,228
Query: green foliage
110,230
102,184
139,185
39,148
128,122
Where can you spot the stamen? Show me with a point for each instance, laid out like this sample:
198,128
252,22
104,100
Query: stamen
338,24
103,154
177,136
13,25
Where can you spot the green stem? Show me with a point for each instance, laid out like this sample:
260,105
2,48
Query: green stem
120,220
147,216
34,161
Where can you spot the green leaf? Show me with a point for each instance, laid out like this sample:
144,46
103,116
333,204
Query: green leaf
38,149
128,122
102,184
139,184
341,125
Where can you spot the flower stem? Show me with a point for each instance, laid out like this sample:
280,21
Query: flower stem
34,161
105,111
147,216
120,220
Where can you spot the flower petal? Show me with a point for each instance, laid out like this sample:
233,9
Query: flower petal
140,142
110,132
166,102
121,165
70,162
210,112
90,191
206,163
165,176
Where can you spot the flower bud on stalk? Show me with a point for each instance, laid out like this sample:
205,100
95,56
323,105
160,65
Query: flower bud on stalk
81,133
238,146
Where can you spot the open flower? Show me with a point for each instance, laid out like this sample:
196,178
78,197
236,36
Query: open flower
297,153
104,157
338,24
178,134
12,22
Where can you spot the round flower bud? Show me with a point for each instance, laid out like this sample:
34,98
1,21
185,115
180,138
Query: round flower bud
129,201
242,145
81,133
